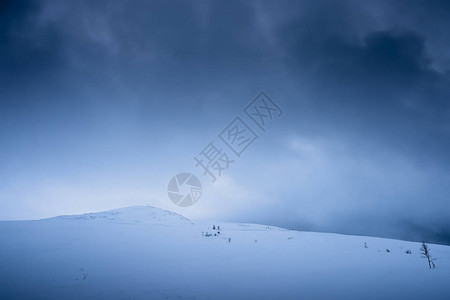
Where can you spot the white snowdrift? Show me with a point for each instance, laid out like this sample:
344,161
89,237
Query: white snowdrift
148,253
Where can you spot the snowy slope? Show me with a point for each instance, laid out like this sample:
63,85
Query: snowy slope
148,253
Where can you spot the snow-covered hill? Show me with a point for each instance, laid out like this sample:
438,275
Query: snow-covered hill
147,253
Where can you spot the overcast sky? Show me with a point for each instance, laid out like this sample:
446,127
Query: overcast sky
102,102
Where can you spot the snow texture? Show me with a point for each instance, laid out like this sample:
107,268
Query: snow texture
147,253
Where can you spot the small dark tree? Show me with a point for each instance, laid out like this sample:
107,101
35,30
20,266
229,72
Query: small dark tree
85,275
425,251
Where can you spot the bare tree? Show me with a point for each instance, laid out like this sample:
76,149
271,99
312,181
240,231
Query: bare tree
425,251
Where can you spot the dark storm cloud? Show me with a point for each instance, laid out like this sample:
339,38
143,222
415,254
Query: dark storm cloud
28,48
39,34
381,82
377,87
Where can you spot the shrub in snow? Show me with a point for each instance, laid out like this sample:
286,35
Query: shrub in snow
408,251
425,251
85,275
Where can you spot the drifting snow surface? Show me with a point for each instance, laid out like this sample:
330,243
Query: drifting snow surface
148,253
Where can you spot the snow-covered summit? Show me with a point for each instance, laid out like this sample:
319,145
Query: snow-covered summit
131,214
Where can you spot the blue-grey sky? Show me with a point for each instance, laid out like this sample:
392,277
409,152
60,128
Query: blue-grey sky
102,102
